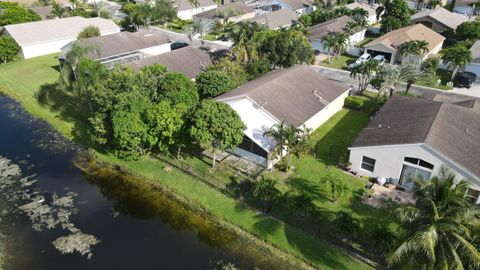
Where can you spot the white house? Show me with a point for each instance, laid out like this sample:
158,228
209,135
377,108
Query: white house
300,96
46,37
474,66
186,11
319,31
412,137
389,44
370,9
124,47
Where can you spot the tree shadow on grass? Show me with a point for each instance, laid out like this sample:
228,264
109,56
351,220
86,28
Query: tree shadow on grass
266,226
300,185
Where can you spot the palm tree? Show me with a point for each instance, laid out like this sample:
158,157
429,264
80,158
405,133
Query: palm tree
279,132
99,6
73,4
266,191
303,202
439,226
434,3
289,140
359,13
381,238
202,27
72,58
244,48
413,48
457,58
329,43
341,42
413,72
58,11
364,73
346,224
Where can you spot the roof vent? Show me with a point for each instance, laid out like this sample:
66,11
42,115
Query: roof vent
320,99
263,104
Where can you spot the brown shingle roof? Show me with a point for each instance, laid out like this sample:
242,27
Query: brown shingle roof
276,19
442,16
189,61
291,95
123,42
450,128
412,32
320,30
298,4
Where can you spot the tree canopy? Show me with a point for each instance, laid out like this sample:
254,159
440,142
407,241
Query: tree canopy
89,32
213,83
13,13
396,15
177,88
8,49
469,30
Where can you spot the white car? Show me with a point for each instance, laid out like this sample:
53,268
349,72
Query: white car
362,59
379,58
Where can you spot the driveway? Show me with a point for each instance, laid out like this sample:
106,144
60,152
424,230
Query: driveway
344,77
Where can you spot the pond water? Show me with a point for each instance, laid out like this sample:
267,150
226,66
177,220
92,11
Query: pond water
137,226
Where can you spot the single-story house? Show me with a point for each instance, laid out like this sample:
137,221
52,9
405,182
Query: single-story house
187,60
421,4
439,19
298,6
474,66
300,96
185,11
411,137
124,47
467,7
319,31
46,37
371,11
235,12
277,19
389,43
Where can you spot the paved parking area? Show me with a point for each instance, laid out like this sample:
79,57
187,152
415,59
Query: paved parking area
474,90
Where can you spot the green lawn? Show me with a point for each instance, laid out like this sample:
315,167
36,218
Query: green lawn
65,114
443,75
340,63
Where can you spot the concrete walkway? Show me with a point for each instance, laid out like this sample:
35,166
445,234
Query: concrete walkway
344,76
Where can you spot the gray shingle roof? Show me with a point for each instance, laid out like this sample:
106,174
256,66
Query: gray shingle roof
291,94
123,42
298,4
320,30
185,5
452,129
189,61
442,16
238,8
276,19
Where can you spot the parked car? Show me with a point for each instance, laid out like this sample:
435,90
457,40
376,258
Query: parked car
379,58
464,79
362,59
178,45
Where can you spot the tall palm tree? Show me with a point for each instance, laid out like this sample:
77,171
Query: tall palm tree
244,48
341,42
329,42
359,13
279,132
202,27
457,58
266,191
72,58
414,48
365,73
439,226
58,11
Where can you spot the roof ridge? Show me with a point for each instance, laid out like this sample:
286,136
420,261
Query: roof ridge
427,134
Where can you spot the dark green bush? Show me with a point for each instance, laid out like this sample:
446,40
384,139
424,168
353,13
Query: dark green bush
354,102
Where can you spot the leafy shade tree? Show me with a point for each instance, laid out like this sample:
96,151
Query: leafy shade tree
469,30
304,203
439,226
216,126
164,123
457,58
177,88
396,15
266,192
89,32
13,13
8,49
89,78
233,69
346,224
365,73
213,83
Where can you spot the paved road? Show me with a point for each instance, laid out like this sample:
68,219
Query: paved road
179,37
461,93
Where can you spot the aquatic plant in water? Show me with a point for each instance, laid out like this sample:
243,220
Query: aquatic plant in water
44,212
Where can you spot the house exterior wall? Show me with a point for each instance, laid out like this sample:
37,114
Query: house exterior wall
466,10
474,67
434,51
188,13
322,116
354,39
389,161
156,50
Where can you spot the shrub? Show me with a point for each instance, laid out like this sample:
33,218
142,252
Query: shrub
8,49
88,32
354,102
213,83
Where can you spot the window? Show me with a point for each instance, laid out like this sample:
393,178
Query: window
472,195
414,168
368,164
418,162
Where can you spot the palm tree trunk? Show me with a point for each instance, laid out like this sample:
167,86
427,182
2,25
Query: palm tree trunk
214,158
454,72
179,149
